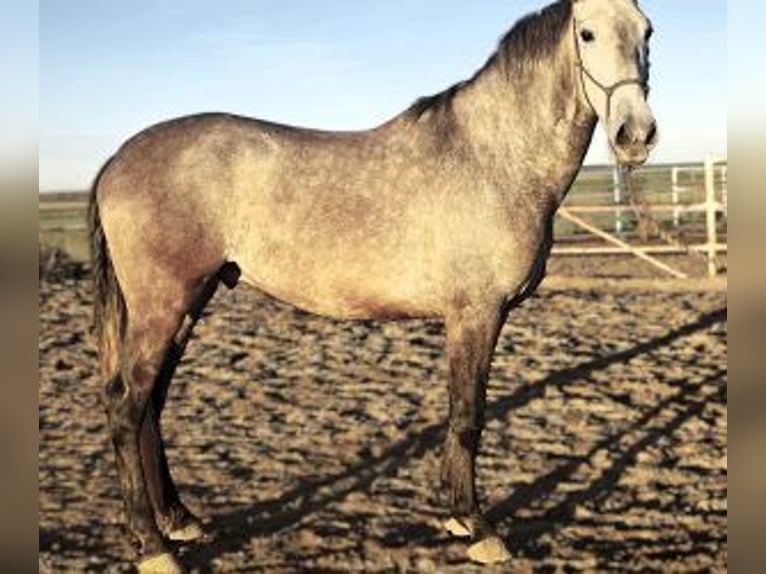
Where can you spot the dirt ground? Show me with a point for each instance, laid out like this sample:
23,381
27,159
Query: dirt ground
313,445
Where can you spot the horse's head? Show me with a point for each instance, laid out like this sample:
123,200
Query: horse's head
611,40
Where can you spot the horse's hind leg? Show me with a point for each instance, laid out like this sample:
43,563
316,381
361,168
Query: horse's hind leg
173,518
153,320
472,331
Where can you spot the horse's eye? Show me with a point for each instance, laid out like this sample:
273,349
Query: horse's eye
587,35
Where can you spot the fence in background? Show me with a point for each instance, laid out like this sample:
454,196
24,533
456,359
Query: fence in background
669,210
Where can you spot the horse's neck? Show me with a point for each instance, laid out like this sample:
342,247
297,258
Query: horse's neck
533,129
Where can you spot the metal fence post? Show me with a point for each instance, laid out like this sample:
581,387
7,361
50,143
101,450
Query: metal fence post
675,196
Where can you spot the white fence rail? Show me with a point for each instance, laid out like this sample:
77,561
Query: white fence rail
676,198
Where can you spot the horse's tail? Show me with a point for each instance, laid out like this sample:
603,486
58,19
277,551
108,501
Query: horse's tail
109,311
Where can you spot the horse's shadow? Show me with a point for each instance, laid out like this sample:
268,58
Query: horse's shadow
233,531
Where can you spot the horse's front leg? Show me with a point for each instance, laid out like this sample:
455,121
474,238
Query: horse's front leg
472,332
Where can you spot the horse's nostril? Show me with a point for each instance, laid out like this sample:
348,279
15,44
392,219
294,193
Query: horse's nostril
651,135
622,138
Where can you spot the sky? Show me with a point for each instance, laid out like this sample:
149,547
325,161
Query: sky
110,68
19,95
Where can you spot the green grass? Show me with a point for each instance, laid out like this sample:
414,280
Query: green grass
56,218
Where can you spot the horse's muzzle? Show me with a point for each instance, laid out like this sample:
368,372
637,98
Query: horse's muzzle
634,140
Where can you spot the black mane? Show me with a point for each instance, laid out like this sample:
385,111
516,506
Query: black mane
531,39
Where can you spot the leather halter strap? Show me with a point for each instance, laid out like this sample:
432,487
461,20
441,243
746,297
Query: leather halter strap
608,90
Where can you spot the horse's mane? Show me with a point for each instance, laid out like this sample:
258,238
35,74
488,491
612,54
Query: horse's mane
531,39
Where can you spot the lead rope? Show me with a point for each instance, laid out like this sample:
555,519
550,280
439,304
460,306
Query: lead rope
640,207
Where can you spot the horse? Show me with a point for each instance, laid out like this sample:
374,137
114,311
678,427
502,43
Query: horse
443,212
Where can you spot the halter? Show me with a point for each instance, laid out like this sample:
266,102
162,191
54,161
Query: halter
608,90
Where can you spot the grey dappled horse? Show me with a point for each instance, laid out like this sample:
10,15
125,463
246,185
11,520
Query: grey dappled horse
445,211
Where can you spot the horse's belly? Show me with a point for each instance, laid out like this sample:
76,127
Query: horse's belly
342,290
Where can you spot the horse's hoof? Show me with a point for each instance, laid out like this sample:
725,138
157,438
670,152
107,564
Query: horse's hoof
189,533
490,550
164,563
458,528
